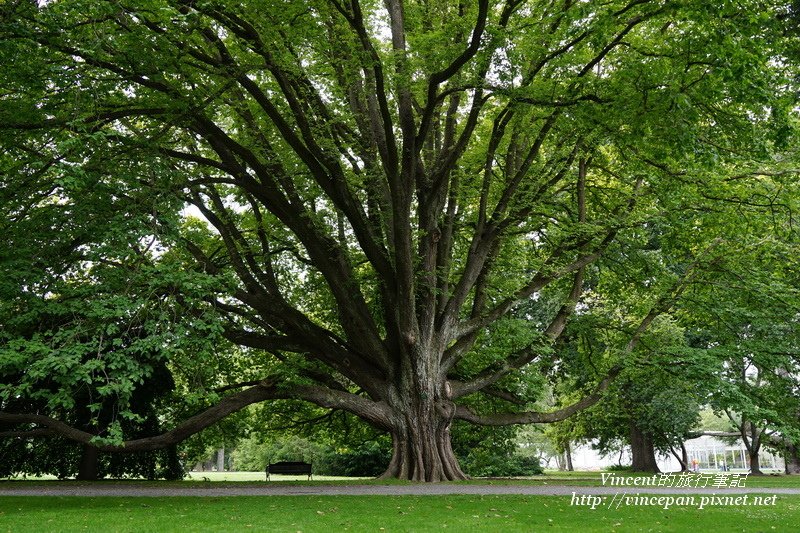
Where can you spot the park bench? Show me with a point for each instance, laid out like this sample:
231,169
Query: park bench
289,467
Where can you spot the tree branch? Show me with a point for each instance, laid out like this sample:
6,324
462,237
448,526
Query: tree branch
535,417
376,413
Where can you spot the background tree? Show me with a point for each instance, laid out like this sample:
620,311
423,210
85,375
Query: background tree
755,341
382,185
746,319
653,405
89,330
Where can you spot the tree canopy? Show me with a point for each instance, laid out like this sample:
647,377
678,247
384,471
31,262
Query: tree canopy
391,209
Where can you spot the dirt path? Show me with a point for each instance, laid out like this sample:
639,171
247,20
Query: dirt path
281,489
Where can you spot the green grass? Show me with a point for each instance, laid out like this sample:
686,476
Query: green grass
551,477
220,476
261,476
586,478
377,513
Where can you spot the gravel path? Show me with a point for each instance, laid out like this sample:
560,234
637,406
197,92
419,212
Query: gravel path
114,489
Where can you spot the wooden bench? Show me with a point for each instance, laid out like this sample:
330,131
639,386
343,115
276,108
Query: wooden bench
289,467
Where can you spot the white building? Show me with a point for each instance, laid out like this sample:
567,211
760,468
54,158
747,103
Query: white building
710,452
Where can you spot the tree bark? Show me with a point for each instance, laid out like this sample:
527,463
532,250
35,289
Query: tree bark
422,452
643,453
752,443
420,429
89,467
683,458
755,463
791,457
568,456
221,459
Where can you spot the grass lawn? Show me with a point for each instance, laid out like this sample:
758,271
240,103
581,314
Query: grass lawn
550,477
594,479
378,513
261,476
553,477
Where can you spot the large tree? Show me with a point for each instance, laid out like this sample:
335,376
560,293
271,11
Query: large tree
382,185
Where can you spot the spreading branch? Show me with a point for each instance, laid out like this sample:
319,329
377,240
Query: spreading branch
375,413
535,417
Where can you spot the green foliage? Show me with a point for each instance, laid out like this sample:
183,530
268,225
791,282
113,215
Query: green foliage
61,458
367,459
488,463
619,468
482,452
747,323
252,454
491,452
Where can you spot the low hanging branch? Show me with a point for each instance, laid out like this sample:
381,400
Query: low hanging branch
266,390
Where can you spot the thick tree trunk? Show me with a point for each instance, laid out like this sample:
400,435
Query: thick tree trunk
89,467
755,463
421,447
791,457
643,453
751,437
423,453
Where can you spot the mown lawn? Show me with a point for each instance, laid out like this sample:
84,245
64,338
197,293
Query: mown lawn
378,513
595,479
578,478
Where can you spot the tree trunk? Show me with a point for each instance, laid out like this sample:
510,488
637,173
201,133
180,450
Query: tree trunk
752,443
423,457
683,458
643,453
568,455
791,457
89,467
755,463
221,460
421,447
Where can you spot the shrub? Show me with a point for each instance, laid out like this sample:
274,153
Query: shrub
253,455
488,463
368,459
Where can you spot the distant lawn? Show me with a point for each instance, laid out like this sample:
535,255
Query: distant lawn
377,513
594,478
550,477
261,476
